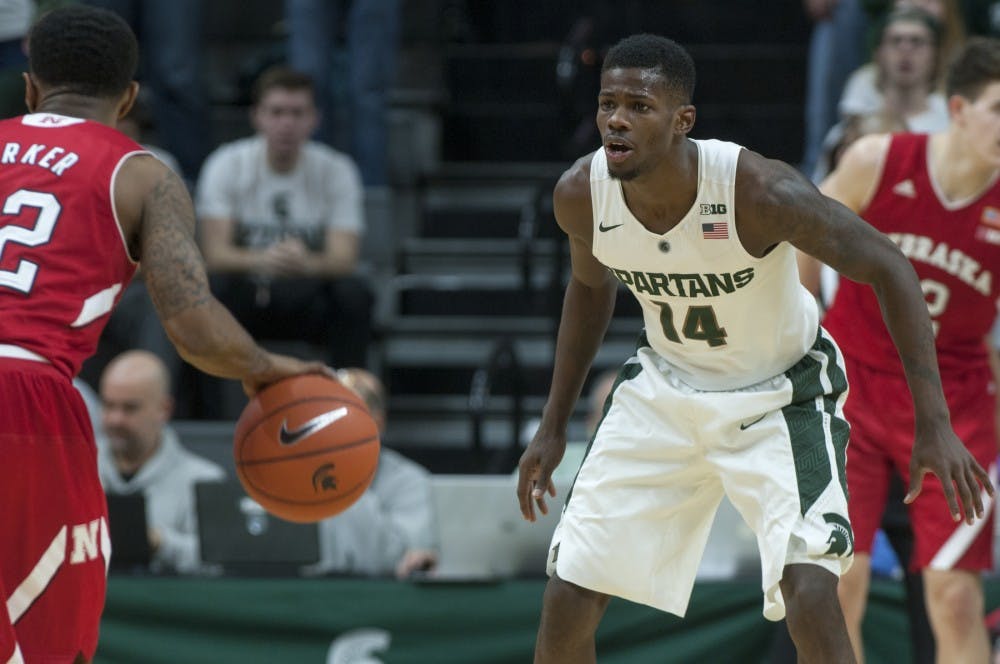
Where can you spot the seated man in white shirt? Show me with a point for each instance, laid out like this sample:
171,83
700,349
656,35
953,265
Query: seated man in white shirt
281,219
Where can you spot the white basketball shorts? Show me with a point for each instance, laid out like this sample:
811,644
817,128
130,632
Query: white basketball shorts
638,515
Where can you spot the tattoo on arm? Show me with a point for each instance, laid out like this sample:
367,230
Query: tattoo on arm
173,267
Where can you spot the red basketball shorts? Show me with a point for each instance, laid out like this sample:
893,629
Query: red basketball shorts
880,412
53,534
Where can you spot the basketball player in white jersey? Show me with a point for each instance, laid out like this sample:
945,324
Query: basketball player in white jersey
733,388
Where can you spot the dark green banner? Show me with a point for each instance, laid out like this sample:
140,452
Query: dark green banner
348,621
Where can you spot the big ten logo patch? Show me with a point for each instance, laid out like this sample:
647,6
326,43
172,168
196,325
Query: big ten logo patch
713,208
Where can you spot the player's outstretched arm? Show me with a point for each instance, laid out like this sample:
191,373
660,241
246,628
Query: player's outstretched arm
781,205
587,308
157,217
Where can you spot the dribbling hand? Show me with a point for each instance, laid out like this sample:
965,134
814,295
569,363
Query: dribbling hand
283,366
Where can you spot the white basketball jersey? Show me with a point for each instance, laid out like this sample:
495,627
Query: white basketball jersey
723,318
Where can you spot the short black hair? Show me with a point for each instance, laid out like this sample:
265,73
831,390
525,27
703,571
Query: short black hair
283,78
85,50
976,66
646,51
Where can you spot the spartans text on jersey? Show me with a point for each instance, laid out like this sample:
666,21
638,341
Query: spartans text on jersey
674,284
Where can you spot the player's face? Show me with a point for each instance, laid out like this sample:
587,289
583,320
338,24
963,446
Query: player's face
636,118
286,119
906,54
133,415
980,120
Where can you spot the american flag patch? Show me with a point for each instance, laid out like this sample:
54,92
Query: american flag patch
991,216
717,230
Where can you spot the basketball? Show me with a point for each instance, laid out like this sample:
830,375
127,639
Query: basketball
306,448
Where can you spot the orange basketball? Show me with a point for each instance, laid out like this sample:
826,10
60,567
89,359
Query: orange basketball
306,448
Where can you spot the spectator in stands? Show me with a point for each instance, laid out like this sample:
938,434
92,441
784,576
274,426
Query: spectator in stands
402,486
142,453
392,529
951,14
902,79
372,42
282,217
170,36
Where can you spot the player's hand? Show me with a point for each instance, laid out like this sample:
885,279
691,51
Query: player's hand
416,560
277,367
155,540
534,472
285,258
944,455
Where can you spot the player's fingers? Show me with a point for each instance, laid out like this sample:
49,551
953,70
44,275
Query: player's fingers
984,479
524,494
314,367
972,481
542,505
968,492
542,484
949,495
552,489
916,484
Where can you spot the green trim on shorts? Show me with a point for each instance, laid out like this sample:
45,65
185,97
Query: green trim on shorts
840,430
628,371
806,427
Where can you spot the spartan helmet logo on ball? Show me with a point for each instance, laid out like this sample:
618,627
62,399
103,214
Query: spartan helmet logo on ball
323,478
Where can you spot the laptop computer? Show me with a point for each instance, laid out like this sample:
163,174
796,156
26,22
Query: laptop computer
483,536
128,531
239,536
481,532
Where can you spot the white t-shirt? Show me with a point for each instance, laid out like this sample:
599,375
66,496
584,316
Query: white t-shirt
322,192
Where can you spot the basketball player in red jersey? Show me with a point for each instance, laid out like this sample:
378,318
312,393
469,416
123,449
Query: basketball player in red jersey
938,198
82,206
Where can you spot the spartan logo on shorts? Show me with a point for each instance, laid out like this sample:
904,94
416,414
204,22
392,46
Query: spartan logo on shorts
841,538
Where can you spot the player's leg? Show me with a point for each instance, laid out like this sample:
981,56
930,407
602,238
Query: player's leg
869,475
952,555
853,595
53,529
815,621
570,615
782,466
638,515
955,606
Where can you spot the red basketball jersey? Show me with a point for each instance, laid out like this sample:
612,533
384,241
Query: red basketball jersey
954,247
63,259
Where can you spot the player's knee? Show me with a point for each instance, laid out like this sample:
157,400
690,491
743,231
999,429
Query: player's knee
958,603
852,588
808,588
565,598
